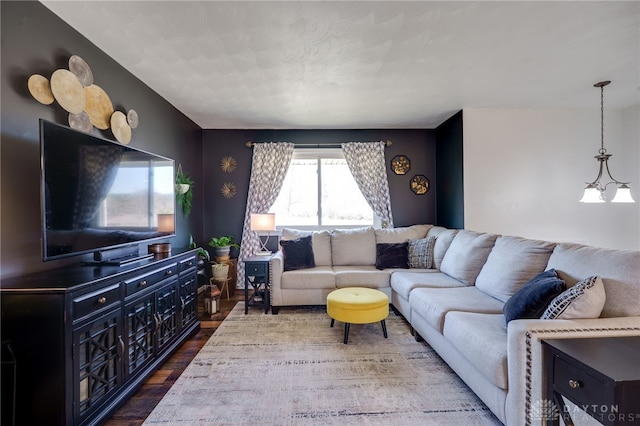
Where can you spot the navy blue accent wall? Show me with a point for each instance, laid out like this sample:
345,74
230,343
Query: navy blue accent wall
449,173
34,40
225,216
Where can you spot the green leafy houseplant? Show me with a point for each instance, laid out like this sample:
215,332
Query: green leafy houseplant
184,191
222,246
225,241
202,253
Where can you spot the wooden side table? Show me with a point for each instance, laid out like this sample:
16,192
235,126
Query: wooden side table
601,376
256,276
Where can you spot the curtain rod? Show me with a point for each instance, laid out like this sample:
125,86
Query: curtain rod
312,145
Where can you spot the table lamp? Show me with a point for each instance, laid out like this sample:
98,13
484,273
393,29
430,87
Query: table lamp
263,222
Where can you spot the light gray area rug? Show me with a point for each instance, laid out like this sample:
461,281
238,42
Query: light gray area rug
293,369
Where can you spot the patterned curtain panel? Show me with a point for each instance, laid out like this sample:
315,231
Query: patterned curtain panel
269,166
368,167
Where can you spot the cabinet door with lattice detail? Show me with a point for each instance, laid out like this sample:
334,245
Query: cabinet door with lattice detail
188,300
167,314
98,349
140,327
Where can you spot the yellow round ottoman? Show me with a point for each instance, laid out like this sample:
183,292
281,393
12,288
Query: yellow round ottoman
358,305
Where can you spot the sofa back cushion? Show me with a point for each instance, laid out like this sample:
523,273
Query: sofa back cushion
513,261
444,237
402,234
320,243
619,270
353,246
466,255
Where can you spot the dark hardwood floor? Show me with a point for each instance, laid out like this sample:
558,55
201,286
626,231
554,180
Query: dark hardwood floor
140,405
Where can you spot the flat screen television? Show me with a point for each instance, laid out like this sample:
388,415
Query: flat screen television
99,195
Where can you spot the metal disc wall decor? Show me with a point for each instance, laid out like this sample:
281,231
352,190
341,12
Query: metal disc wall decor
419,184
67,90
40,89
81,70
88,104
80,122
120,127
99,106
132,118
400,164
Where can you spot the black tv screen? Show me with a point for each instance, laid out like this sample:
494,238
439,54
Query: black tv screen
98,194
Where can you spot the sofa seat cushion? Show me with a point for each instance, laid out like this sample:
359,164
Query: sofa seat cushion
513,261
318,277
353,246
361,276
482,340
402,282
433,304
467,254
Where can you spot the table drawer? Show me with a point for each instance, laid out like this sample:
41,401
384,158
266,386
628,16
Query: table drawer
577,384
146,280
256,268
96,300
186,264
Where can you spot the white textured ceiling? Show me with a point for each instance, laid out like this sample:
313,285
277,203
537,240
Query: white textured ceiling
384,64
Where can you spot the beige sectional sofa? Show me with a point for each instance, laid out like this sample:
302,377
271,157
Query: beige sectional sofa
457,304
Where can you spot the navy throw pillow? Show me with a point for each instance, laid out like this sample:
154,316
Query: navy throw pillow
533,298
298,254
392,255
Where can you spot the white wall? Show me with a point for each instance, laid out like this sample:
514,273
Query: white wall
525,170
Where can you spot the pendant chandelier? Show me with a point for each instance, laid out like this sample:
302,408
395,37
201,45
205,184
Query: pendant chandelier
595,191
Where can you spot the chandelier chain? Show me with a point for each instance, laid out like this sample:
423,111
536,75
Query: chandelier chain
602,148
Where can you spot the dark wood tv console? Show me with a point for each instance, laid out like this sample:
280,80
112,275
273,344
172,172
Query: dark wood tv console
84,338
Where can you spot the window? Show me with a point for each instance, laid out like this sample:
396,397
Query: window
319,191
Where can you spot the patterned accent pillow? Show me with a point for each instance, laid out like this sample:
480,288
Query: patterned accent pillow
583,300
421,252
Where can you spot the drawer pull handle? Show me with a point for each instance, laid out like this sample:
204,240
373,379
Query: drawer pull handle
102,300
143,283
574,384
190,263
169,272
121,347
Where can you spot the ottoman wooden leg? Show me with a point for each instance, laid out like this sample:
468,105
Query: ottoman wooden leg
346,332
332,322
384,328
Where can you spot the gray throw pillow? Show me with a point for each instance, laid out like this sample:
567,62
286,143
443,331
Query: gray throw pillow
421,252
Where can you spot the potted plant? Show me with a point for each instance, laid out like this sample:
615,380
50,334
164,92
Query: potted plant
203,255
184,191
220,271
222,246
